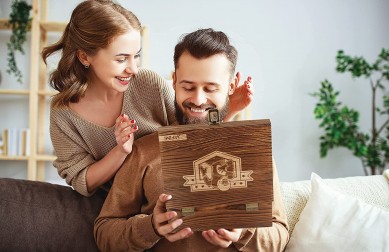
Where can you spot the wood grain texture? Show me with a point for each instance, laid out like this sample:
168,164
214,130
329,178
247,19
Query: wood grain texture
213,167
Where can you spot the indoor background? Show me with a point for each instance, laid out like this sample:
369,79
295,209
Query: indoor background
288,47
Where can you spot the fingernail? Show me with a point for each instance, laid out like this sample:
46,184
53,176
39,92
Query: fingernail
189,234
135,127
132,121
172,215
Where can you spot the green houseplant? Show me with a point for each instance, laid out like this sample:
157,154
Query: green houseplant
340,123
19,21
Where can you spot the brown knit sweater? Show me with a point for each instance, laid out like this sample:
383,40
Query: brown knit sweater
79,143
124,223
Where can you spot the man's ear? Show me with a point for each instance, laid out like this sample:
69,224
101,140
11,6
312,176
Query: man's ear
232,86
83,57
174,78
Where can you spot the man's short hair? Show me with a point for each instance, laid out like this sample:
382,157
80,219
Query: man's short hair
205,43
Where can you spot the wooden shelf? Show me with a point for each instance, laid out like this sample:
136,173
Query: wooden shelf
45,157
21,158
44,25
3,24
27,92
47,93
15,91
3,157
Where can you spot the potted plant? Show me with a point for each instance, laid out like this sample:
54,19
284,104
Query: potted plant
19,21
340,123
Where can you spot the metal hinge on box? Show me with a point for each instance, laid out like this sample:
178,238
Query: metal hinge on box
187,211
252,206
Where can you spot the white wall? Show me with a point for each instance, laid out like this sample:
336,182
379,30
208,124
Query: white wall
288,47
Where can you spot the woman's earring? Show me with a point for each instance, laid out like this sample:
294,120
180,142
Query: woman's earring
86,66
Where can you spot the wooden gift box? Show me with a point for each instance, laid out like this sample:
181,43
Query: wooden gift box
220,176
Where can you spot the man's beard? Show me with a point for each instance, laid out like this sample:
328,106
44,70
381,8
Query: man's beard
183,119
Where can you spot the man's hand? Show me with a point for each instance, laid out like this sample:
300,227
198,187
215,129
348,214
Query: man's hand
161,223
223,237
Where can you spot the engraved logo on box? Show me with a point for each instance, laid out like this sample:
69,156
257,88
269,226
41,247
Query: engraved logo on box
217,171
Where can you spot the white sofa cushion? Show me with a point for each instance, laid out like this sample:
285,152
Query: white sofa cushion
332,221
373,190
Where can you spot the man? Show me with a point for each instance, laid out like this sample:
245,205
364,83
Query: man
134,216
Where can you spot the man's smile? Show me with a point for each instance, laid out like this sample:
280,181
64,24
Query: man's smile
200,111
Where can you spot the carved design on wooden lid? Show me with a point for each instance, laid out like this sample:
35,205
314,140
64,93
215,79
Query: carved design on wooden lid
217,171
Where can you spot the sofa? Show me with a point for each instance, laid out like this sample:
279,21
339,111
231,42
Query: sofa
342,214
39,216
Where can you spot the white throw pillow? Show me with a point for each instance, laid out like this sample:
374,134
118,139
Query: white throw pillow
332,221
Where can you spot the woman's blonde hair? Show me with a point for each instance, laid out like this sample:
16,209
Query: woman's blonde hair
92,26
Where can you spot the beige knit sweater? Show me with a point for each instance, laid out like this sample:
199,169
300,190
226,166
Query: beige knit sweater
124,223
79,143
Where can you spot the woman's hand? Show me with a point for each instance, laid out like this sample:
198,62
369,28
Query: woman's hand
164,224
243,94
222,237
124,133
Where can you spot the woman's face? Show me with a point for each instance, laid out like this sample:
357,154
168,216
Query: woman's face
115,65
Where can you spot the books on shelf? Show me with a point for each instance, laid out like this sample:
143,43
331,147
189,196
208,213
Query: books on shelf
15,142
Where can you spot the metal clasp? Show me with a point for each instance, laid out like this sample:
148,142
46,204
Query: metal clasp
213,116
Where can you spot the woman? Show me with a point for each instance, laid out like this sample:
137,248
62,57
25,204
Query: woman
103,94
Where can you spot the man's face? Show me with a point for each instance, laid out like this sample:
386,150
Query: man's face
201,84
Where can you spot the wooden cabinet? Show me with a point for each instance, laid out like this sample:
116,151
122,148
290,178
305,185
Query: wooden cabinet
39,92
